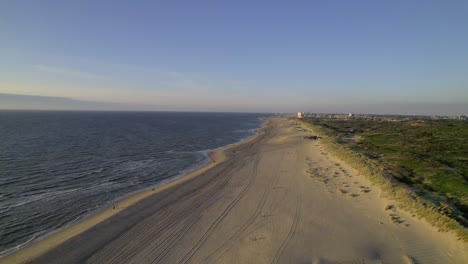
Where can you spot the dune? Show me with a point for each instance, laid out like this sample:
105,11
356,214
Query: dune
277,198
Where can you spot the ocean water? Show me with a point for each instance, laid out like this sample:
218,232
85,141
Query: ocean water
58,167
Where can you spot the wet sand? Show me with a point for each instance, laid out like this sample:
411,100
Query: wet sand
277,198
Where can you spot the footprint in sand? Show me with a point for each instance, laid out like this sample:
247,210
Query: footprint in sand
396,219
364,189
343,191
393,216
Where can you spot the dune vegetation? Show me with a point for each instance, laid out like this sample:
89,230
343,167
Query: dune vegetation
421,164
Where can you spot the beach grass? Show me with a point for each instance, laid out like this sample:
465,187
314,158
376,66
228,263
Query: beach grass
419,184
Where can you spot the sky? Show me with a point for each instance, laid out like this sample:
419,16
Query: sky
395,57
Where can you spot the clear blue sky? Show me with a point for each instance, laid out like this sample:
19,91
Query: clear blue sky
239,55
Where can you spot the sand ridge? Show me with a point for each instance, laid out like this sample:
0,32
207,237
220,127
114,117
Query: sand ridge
279,198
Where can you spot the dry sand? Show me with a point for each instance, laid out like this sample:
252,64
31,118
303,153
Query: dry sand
278,198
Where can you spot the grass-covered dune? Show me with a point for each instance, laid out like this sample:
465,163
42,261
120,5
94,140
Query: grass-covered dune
421,164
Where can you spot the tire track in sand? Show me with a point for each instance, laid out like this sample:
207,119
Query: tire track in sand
213,257
220,218
122,253
292,230
226,174
178,236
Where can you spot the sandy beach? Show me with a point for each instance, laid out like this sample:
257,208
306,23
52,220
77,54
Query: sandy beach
276,198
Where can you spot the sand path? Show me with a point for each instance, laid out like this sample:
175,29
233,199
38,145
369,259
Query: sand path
276,199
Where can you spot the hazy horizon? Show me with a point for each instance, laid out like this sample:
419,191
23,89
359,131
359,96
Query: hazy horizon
41,103
393,57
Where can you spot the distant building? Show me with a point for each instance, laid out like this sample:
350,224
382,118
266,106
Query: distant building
300,114
463,117
350,115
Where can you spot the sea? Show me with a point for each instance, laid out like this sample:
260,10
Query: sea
57,168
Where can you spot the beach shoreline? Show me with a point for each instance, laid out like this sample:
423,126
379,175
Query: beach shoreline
44,243
265,200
